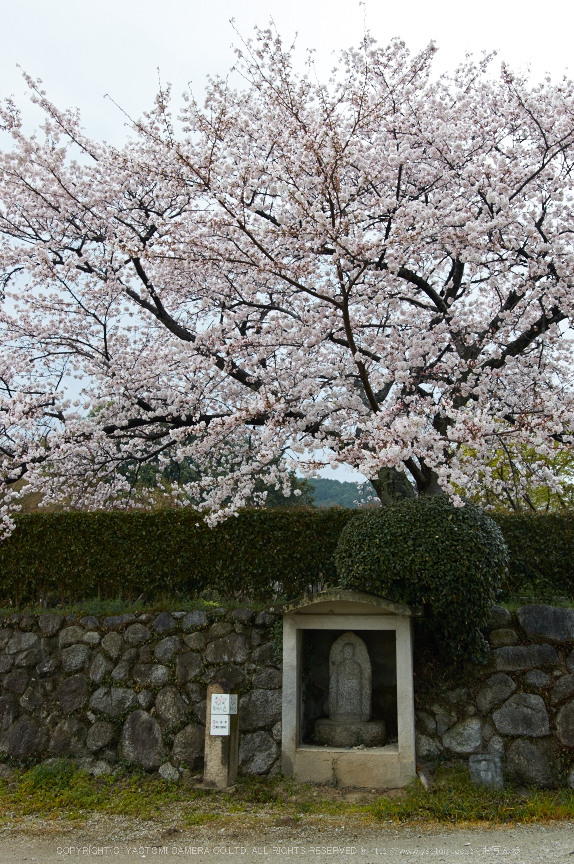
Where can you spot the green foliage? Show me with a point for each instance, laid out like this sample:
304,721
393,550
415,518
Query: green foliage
541,550
70,556
454,798
427,551
330,493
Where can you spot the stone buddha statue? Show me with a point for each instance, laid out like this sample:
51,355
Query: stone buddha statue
349,721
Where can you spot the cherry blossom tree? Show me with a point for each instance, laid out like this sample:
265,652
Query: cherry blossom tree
373,271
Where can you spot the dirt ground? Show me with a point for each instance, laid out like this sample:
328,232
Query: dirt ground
270,841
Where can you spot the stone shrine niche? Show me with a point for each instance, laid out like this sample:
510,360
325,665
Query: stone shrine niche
348,701
375,653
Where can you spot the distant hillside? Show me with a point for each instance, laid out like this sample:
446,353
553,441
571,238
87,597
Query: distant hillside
331,493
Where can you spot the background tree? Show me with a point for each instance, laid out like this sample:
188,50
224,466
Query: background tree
375,270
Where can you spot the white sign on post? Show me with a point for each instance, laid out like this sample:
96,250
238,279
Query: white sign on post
224,703
219,724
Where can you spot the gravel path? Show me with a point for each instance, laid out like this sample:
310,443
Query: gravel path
122,840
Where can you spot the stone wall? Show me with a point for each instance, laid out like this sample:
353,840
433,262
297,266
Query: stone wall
131,690
520,707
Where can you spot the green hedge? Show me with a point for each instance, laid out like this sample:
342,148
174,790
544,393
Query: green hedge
427,551
541,549
79,555
72,556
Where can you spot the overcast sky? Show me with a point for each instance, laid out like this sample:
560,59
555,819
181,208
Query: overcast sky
83,50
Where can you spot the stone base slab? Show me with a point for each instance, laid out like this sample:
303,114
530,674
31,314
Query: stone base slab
378,767
335,733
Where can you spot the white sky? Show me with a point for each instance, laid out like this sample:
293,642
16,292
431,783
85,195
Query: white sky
83,50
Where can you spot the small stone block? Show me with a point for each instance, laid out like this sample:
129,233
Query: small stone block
486,770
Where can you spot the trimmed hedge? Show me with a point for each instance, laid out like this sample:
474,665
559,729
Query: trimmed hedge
72,556
427,551
541,550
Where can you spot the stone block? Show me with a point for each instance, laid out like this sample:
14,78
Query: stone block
90,622
21,642
265,619
100,735
228,672
73,693
188,665
28,622
518,657
168,773
145,654
142,742
464,737
152,674
565,725
70,636
50,624
268,679
499,617
523,714
28,658
76,658
32,700
257,753
243,615
200,711
188,747
6,663
47,667
230,649
146,699
68,738
259,708
220,628
563,689
538,679
9,711
486,770
502,637
91,638
168,649
118,622
121,672
547,622
16,681
494,691
100,667
426,722
195,691
193,620
444,719
277,732
136,634
533,763
24,740
195,641
336,733
496,746
113,644
264,655
5,636
113,701
164,623
170,708
570,662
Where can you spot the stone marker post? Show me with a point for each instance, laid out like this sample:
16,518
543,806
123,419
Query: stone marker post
221,735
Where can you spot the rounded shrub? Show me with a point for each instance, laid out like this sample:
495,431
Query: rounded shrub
427,551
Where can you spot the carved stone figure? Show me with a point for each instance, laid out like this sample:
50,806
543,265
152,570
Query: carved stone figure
349,721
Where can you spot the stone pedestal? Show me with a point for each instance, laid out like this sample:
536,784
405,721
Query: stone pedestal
335,733
221,751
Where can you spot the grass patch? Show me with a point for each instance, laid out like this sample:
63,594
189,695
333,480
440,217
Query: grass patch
453,798
99,607
60,790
